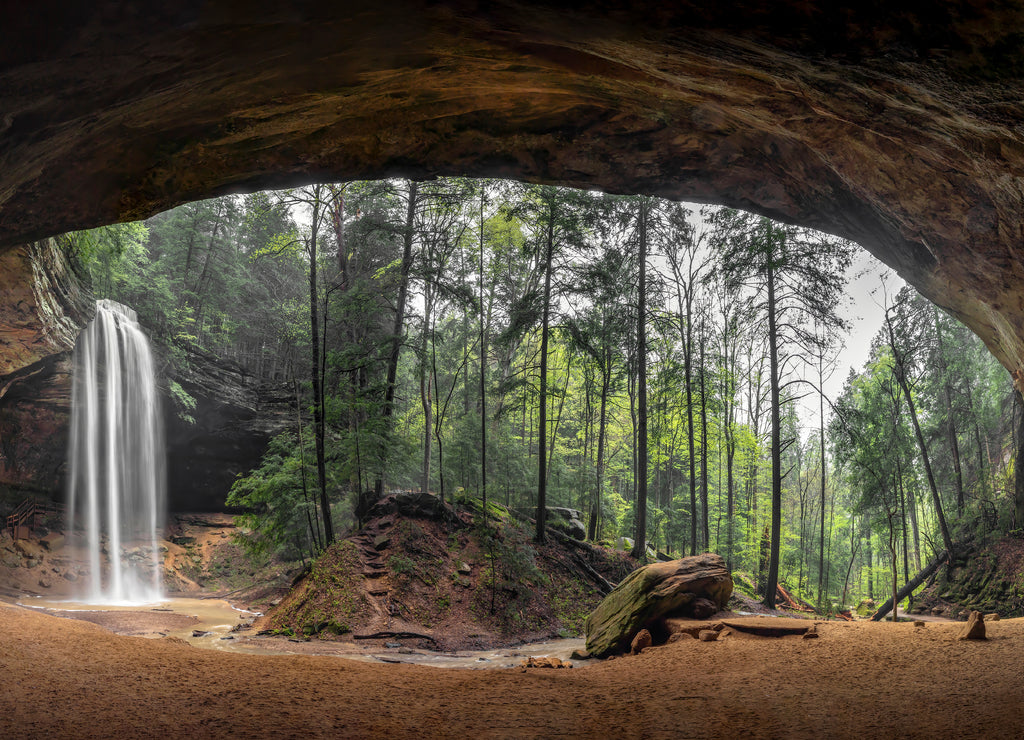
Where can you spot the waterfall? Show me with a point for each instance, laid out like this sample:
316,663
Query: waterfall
117,476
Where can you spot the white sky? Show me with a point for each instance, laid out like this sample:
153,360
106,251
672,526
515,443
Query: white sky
863,308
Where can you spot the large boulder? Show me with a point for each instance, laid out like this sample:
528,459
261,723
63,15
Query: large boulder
569,521
649,594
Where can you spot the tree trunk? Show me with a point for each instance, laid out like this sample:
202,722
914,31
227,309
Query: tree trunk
483,365
315,367
900,372
396,331
936,500
426,396
947,393
688,375
1018,481
821,449
773,360
542,473
640,543
705,533
595,511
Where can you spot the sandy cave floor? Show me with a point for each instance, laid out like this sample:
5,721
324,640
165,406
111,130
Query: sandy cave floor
65,678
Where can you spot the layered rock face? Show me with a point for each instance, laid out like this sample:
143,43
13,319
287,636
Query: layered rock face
233,421
898,125
43,307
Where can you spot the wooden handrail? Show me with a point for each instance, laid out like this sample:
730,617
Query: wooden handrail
27,510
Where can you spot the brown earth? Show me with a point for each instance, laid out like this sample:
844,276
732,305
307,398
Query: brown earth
64,678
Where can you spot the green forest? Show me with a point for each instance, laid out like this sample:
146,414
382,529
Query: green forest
657,366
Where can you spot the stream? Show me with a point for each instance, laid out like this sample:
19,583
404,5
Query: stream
208,624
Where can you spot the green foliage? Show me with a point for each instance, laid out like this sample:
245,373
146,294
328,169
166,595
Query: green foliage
184,403
278,511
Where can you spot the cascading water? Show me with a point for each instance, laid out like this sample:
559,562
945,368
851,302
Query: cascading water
117,477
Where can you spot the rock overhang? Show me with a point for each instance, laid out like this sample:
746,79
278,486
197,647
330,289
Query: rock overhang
899,125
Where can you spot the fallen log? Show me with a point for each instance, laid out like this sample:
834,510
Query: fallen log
394,635
790,602
913,583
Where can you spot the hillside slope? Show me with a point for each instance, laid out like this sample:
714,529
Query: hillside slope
424,572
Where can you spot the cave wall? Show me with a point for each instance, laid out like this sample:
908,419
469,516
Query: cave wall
898,124
43,308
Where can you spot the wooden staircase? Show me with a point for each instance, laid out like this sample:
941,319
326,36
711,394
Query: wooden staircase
28,515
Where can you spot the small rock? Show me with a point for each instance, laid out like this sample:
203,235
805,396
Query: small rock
580,655
392,644
544,662
43,583
974,629
229,637
199,633
707,636
677,636
938,611
918,623
641,641
993,617
464,568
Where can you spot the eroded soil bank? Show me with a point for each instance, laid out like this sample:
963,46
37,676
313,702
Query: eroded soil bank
66,678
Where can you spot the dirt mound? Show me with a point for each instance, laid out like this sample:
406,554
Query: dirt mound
430,575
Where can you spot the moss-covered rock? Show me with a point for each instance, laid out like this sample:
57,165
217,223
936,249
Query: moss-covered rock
652,592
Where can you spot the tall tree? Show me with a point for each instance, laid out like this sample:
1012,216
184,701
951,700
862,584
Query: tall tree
796,279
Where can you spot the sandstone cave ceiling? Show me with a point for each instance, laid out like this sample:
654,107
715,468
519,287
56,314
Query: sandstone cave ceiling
899,125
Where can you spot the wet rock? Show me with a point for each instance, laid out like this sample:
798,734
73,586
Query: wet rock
651,593
199,633
392,644
975,628
579,655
